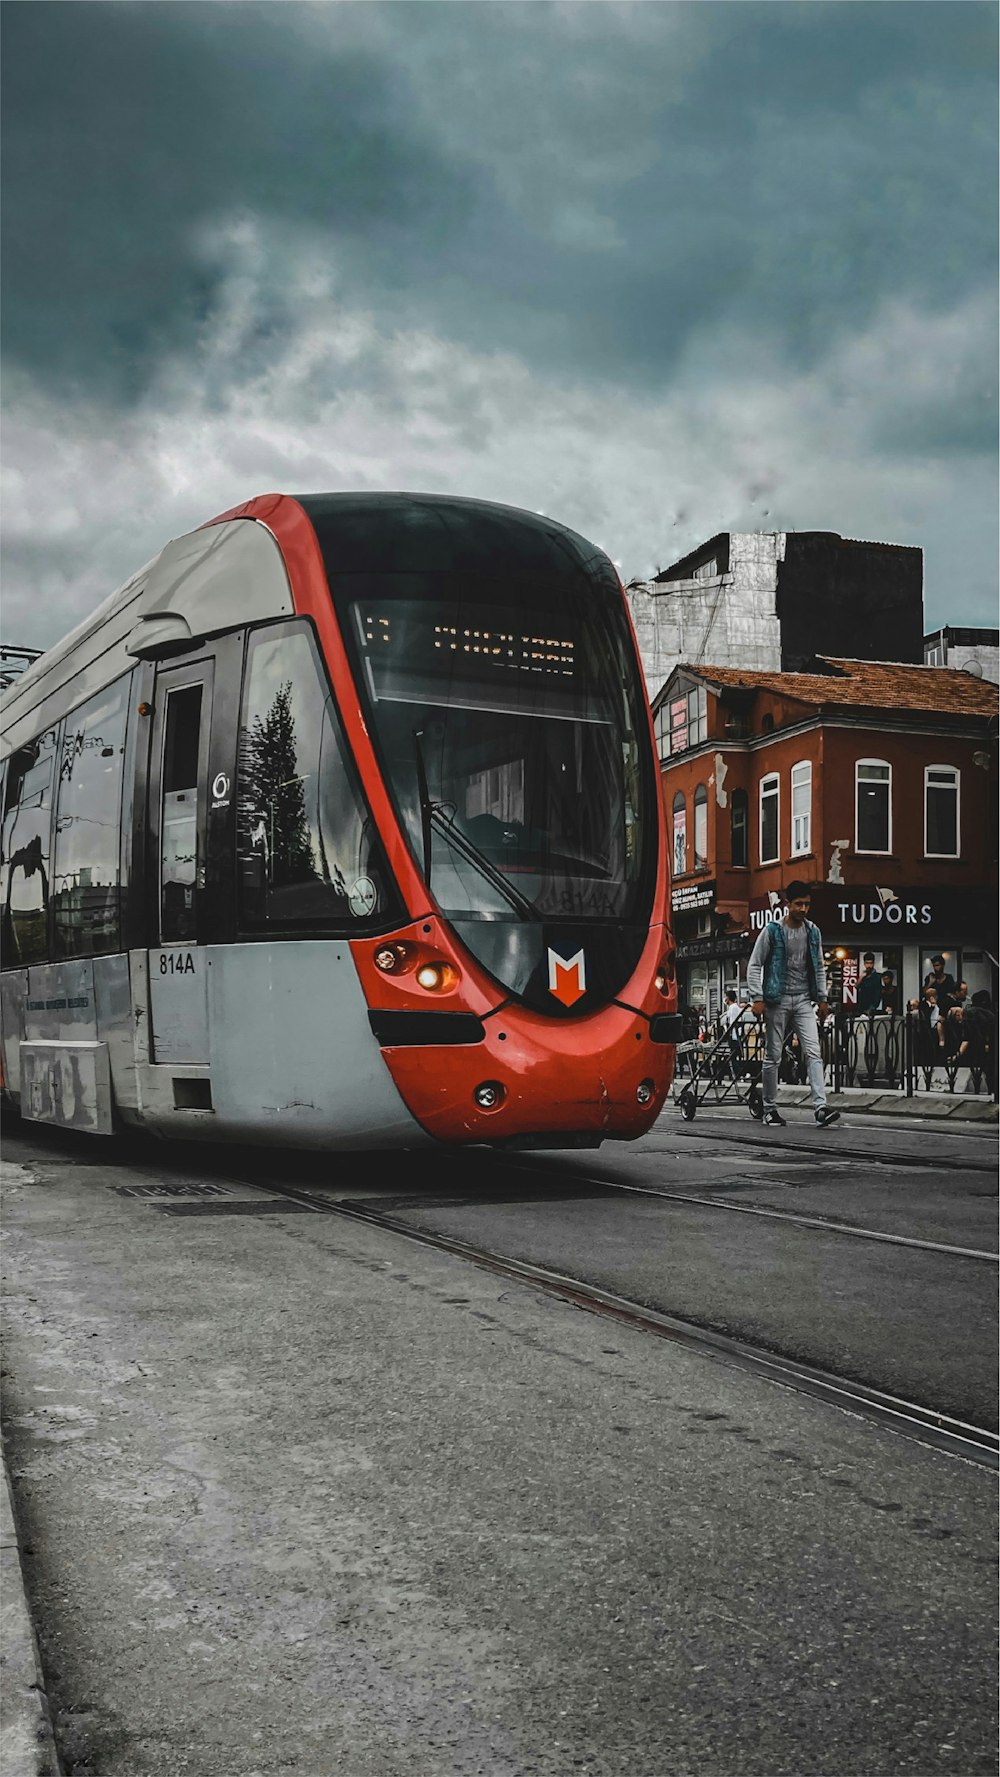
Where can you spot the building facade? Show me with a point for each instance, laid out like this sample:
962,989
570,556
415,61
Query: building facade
874,782
975,651
771,601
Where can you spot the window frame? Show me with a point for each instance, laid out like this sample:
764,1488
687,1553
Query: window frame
678,806
956,785
771,784
868,851
801,850
700,802
744,808
58,947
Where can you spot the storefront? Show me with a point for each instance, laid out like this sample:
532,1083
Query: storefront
903,929
710,957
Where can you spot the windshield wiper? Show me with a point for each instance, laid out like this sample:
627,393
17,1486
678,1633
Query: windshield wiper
432,816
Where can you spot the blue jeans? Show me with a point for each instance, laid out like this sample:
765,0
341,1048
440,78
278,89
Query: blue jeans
798,1015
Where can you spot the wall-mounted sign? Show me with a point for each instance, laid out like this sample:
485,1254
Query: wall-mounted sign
740,945
850,910
693,897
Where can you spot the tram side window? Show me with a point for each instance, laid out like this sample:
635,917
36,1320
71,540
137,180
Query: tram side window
308,854
27,825
85,873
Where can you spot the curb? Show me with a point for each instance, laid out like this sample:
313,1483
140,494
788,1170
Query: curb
945,1106
27,1744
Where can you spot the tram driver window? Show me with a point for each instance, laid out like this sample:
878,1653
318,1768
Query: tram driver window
308,855
26,841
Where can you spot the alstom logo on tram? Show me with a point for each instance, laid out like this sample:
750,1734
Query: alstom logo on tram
339,825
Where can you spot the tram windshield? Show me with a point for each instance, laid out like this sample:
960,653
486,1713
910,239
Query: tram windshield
513,739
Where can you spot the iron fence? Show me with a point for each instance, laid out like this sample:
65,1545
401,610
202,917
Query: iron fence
876,1051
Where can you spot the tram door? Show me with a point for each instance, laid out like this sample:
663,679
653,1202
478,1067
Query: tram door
179,800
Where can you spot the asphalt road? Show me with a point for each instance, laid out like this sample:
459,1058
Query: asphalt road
298,1495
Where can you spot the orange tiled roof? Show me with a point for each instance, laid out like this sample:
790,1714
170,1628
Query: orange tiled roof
872,684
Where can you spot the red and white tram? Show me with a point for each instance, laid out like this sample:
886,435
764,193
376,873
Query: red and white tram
339,825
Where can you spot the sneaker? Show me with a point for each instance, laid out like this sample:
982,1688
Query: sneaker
773,1120
824,1116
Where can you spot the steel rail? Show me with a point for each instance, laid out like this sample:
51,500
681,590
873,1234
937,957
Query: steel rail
823,1223
906,1418
827,1150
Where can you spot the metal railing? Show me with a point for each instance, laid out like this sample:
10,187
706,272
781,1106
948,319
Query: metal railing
878,1051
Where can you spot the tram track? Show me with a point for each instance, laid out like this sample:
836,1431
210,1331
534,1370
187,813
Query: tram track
906,1418
831,1149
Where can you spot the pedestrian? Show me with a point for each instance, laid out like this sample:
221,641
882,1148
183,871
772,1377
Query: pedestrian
787,980
869,986
980,1030
890,998
942,983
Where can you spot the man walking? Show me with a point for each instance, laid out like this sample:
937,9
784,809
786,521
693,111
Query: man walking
787,981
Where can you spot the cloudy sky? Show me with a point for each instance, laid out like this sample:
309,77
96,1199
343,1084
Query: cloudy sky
657,270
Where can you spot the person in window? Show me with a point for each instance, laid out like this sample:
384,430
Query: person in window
869,986
942,983
890,993
787,979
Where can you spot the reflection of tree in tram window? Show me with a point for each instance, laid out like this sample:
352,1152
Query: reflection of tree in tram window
275,790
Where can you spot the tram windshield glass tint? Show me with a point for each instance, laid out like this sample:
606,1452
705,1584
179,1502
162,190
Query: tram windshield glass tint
510,738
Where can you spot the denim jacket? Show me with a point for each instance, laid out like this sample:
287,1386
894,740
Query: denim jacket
770,960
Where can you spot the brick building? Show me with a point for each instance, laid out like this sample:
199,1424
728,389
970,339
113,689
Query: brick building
876,782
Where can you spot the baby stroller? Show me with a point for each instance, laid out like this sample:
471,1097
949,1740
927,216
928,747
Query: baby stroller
725,1069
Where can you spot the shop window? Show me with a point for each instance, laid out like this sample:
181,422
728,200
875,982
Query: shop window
941,811
874,806
801,808
85,871
307,851
680,834
769,799
700,827
738,823
24,873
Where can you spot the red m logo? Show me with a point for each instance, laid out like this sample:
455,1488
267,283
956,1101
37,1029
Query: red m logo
567,978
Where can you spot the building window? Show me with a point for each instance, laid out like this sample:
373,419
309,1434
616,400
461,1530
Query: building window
700,827
680,834
706,570
941,828
874,806
85,873
661,724
738,824
697,716
801,807
688,724
769,793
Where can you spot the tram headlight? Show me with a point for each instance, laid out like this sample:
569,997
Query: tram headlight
645,1091
436,977
386,959
664,978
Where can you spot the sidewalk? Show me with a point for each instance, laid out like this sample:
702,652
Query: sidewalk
27,1748
959,1107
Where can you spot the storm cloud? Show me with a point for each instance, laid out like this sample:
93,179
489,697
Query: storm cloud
656,269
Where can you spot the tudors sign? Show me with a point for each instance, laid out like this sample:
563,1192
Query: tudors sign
844,909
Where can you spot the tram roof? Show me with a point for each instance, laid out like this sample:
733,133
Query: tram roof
230,571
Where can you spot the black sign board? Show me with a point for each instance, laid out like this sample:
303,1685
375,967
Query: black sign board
693,897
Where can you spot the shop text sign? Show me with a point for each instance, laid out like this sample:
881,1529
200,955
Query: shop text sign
845,914
694,897
876,910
